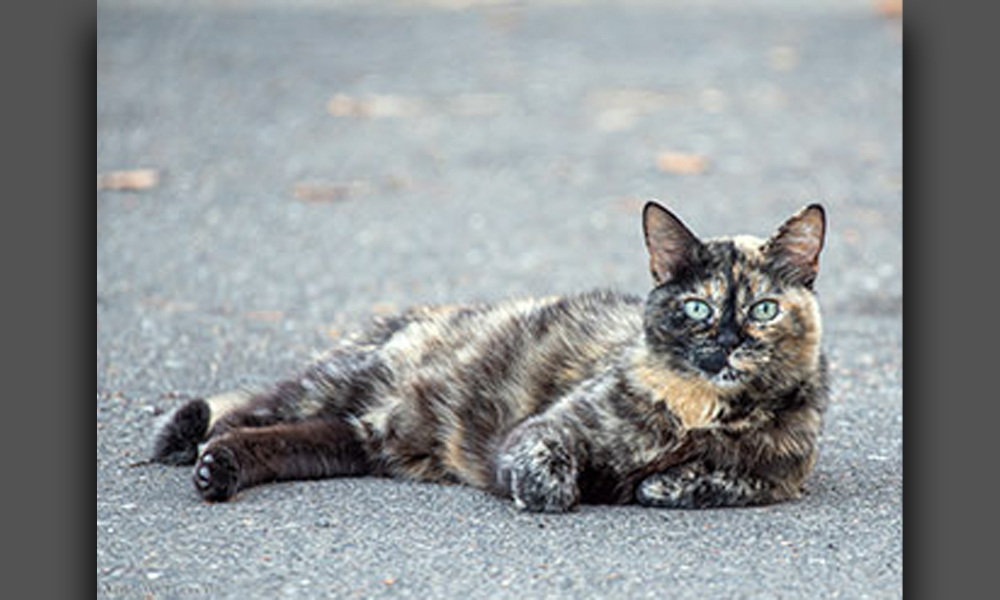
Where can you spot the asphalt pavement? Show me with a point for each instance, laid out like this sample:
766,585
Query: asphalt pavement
311,163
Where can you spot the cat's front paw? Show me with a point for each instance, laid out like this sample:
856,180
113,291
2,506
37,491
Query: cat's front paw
216,476
540,490
541,476
694,487
663,491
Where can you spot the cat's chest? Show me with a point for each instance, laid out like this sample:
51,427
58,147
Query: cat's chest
694,403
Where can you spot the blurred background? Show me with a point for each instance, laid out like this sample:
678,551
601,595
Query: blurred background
270,172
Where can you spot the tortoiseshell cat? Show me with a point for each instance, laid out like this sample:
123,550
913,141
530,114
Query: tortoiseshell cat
710,393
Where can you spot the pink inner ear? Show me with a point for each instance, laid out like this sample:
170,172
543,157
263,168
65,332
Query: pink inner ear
805,243
801,239
667,240
663,261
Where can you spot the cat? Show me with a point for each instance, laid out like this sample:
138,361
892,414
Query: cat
707,393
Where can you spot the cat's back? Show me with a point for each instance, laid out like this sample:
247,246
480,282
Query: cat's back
510,334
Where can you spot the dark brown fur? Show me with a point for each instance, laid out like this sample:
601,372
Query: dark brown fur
598,397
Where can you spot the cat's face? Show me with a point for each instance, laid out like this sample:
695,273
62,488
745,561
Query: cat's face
737,312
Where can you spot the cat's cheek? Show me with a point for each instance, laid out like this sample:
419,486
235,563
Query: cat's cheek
795,353
749,361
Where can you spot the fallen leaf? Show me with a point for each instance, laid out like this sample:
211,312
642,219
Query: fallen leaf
682,164
264,315
783,58
382,308
323,191
131,180
384,105
890,8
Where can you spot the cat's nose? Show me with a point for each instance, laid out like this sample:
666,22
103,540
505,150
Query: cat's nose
728,339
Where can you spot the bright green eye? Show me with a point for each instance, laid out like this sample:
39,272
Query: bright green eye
765,310
699,310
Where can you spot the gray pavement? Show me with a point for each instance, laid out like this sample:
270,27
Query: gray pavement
319,161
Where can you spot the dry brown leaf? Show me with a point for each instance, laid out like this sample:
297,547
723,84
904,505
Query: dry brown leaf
168,304
264,315
383,308
890,8
343,105
783,58
327,191
384,105
682,164
130,180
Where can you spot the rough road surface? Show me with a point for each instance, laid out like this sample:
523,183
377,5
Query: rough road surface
318,161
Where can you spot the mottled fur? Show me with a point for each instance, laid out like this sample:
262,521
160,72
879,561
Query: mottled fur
597,397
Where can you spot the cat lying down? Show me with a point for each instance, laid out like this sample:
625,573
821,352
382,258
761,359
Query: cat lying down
707,393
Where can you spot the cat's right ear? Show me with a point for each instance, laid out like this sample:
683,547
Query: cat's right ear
670,243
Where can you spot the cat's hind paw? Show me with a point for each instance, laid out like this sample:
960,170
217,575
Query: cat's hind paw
178,439
216,476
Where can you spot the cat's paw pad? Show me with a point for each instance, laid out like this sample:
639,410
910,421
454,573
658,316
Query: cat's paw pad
216,476
178,439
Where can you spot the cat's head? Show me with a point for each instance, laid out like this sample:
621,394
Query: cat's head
735,311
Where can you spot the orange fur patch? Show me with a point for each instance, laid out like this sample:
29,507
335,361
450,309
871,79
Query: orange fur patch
694,401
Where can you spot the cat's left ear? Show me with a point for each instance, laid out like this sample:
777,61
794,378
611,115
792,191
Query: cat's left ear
794,249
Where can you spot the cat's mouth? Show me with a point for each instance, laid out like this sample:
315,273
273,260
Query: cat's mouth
728,376
719,369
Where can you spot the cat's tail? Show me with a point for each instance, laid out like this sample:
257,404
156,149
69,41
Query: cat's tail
180,433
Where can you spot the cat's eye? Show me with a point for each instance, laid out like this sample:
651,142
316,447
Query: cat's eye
765,310
699,310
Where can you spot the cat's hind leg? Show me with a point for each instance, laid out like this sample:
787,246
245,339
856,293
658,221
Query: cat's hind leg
200,420
242,458
342,383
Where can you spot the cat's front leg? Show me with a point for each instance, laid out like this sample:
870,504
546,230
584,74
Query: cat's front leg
693,485
538,465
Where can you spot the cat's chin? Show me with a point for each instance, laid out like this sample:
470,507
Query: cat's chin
728,378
